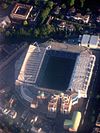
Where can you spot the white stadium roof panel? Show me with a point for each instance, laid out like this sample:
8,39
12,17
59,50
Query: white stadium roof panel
82,72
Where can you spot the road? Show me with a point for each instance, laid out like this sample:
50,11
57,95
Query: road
7,68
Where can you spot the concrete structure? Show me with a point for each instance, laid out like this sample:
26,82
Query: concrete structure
84,19
21,11
31,64
90,41
98,121
34,104
94,41
52,105
5,22
80,78
85,40
66,104
82,73
72,125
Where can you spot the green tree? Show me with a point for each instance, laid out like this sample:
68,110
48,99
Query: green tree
4,6
63,6
46,11
8,33
82,3
71,2
37,2
44,14
25,23
46,30
50,4
37,32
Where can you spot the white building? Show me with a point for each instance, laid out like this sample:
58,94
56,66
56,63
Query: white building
5,22
94,42
84,19
85,40
90,41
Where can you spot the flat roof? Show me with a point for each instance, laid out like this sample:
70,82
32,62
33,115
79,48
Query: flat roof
94,40
85,39
21,11
82,72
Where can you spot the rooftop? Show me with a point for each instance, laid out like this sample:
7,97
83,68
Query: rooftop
21,11
79,79
91,41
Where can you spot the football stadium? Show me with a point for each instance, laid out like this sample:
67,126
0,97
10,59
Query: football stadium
54,73
57,67
55,79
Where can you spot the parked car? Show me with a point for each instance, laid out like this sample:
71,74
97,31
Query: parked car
12,114
6,111
25,113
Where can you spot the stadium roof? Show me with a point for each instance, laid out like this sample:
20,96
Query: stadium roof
81,75
31,65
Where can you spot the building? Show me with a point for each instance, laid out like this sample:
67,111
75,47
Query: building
66,104
34,104
5,22
64,26
96,130
90,41
52,105
21,11
72,125
84,19
94,42
98,121
82,73
98,19
38,70
85,40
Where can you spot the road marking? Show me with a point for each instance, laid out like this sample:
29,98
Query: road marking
82,121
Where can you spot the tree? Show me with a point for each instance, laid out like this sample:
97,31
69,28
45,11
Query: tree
4,6
50,4
44,14
82,3
25,23
46,30
37,2
37,32
71,2
46,11
63,6
8,33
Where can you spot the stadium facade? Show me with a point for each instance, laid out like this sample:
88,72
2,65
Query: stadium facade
81,74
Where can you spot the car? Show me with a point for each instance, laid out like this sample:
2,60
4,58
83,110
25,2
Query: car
33,120
12,114
24,114
6,111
